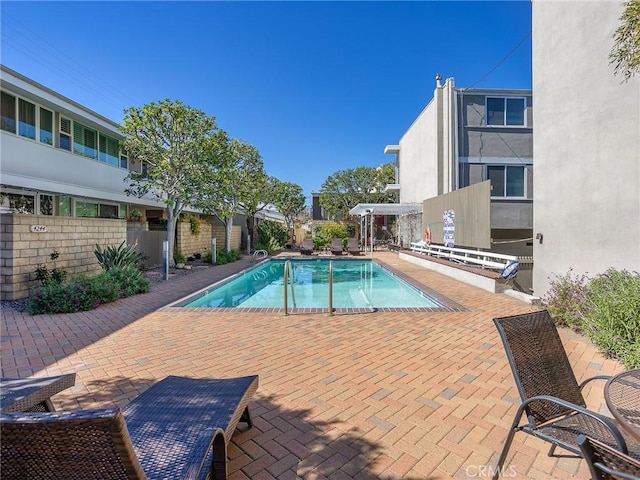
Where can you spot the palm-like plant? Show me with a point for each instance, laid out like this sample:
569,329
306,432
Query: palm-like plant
118,257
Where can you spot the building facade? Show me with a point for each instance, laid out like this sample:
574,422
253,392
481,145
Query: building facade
60,158
464,137
587,144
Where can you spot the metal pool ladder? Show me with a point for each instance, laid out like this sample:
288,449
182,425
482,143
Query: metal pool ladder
289,272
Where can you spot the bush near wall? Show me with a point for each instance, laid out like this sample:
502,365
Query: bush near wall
606,308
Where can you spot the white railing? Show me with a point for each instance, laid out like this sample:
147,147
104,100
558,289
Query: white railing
492,260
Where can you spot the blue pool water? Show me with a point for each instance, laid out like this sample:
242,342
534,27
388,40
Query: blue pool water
356,284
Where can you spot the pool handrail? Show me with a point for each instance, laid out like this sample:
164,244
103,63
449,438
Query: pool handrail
330,287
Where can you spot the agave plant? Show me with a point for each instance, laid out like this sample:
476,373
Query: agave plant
118,257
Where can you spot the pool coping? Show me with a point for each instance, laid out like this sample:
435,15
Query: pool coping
448,305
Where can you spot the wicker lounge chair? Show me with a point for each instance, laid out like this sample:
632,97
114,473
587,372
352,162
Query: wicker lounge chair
606,463
177,429
336,246
353,248
307,246
551,396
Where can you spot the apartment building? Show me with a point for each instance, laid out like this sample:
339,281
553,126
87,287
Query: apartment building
476,138
60,158
587,144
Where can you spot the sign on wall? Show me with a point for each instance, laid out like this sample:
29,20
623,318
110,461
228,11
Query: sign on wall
37,228
449,228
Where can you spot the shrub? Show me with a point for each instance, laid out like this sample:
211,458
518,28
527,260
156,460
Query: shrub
208,257
274,235
118,257
130,280
326,233
83,293
55,275
612,316
222,256
606,308
179,257
565,299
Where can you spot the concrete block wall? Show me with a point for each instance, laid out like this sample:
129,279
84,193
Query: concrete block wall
27,241
188,243
236,236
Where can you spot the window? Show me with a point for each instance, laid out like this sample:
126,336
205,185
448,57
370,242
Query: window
64,206
8,113
22,203
108,211
108,150
507,181
86,209
46,126
94,209
26,119
84,141
65,134
46,204
124,161
506,111
143,168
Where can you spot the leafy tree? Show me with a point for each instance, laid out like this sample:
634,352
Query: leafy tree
625,53
232,182
256,198
171,139
345,189
289,198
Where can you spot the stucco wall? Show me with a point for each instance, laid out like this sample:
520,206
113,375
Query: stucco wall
418,158
586,142
23,250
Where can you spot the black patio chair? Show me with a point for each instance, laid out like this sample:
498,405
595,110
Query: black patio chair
551,397
606,463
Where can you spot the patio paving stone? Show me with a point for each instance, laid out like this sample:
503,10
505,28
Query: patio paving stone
411,395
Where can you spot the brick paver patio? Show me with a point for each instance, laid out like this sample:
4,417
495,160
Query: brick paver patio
375,395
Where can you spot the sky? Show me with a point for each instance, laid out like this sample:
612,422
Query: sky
316,86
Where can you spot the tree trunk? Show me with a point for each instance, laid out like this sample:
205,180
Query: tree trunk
173,212
228,224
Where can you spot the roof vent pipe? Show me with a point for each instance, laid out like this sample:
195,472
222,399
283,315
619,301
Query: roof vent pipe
438,80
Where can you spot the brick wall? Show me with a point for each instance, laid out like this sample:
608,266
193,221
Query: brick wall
236,236
27,241
188,244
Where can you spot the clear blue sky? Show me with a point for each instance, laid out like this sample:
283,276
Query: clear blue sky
316,86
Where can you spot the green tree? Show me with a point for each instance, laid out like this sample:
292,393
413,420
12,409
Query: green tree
625,54
232,183
256,198
345,189
171,139
289,198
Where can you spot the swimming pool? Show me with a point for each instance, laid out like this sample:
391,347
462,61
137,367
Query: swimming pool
358,284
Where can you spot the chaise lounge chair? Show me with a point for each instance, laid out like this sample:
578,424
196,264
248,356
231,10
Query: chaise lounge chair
307,246
353,248
336,246
179,428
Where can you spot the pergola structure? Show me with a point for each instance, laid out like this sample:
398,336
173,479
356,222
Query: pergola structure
367,211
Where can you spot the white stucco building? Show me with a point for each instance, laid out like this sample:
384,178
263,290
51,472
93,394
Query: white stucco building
586,144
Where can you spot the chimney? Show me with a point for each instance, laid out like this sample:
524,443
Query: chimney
438,80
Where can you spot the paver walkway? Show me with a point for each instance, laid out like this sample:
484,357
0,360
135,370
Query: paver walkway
376,395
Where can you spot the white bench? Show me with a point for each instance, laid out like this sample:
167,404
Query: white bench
491,260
